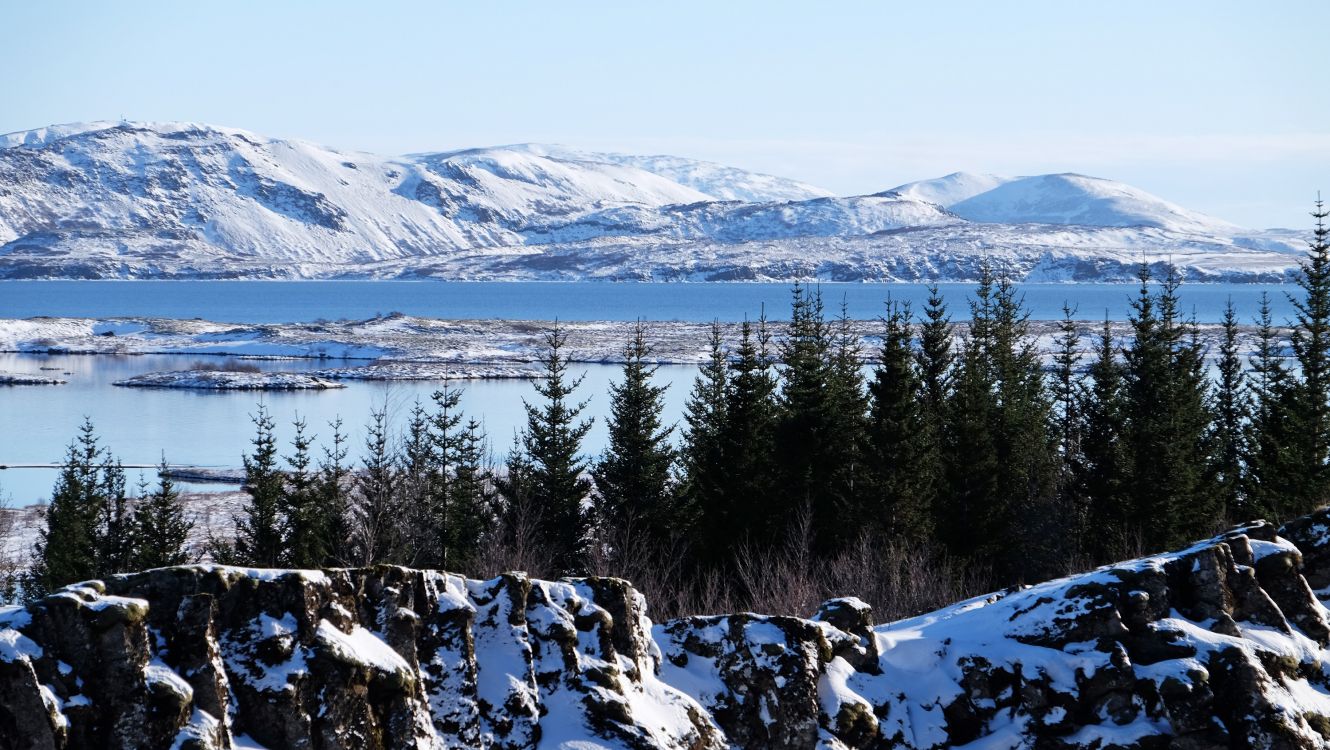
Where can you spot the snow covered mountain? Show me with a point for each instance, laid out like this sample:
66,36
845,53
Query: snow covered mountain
1087,201
183,200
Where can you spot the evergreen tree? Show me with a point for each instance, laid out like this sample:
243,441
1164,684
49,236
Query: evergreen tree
1167,422
807,446
333,525
748,471
1310,394
423,500
302,532
448,434
470,501
67,550
259,538
553,442
847,401
1231,409
115,530
378,515
1102,476
902,453
633,498
702,456
1272,476
160,527
1068,429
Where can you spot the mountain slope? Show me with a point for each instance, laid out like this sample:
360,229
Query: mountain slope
182,200
1081,200
948,190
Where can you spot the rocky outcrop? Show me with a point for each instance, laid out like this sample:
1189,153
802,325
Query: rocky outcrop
1224,644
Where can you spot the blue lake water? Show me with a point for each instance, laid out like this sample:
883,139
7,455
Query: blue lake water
213,429
302,301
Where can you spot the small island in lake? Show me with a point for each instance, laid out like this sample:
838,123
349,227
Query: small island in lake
225,380
23,378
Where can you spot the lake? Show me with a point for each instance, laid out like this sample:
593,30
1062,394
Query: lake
303,301
213,428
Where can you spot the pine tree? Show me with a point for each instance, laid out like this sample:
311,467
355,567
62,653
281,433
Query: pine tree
747,461
1167,422
553,442
333,524
439,526
378,515
259,537
702,456
1231,408
1273,477
904,462
847,428
423,501
67,550
303,540
1310,395
1068,429
633,498
470,501
115,531
1102,476
160,527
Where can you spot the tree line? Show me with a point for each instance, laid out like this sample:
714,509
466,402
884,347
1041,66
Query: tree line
962,446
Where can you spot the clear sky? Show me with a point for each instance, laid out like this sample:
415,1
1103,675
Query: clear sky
1221,106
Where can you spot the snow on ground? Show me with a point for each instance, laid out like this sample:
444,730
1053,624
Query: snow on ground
224,380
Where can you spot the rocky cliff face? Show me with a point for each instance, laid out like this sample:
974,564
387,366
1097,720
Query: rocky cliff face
1224,644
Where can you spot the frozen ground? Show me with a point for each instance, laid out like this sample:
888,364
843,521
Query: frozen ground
399,347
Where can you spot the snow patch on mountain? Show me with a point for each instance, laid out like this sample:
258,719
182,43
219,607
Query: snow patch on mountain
948,190
1086,201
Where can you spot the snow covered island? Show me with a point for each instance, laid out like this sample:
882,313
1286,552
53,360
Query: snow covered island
23,378
224,380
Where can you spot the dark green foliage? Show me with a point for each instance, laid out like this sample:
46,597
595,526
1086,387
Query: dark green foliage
304,542
1102,473
259,530
160,528
1309,394
1171,500
747,444
1272,475
904,464
633,500
470,500
68,550
332,503
1230,408
379,532
553,443
702,456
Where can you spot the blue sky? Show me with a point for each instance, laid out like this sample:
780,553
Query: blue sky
1219,106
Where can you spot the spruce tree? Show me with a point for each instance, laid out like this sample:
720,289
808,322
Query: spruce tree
160,527
847,474
1068,429
378,524
748,468
1310,394
303,538
903,460
702,455
553,442
259,538
1167,422
447,434
1102,475
470,501
1273,478
1230,407
115,530
421,486
67,550
333,523
633,492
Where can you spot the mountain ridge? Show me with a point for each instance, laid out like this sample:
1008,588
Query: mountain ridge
185,200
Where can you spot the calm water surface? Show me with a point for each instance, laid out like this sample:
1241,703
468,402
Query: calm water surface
213,429
303,301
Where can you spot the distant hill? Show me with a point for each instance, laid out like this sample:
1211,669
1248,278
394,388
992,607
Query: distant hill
185,200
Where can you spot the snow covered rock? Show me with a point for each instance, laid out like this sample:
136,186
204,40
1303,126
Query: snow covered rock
1223,644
